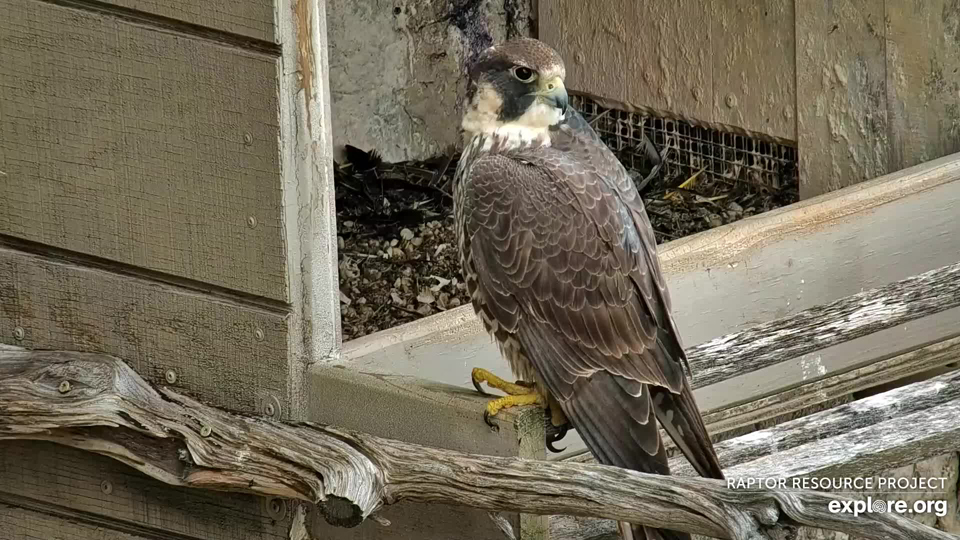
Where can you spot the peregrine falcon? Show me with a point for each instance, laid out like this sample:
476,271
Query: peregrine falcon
561,265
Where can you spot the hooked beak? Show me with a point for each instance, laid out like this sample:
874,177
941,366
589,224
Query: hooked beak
553,93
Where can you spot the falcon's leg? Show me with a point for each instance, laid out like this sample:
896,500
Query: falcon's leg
556,429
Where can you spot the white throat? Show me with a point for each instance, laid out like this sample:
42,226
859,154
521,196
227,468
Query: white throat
482,119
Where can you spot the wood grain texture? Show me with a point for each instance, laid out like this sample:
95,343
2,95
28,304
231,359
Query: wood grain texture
22,524
737,73
856,440
247,18
141,146
71,483
212,345
923,80
855,316
836,386
927,404
842,124
108,409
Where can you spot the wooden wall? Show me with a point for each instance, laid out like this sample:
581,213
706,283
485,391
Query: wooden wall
863,87
166,198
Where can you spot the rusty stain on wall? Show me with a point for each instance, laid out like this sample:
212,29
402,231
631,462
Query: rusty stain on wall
305,58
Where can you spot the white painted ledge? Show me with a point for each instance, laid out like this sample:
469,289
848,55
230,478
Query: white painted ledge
737,275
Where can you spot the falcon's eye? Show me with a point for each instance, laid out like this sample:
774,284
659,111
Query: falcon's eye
524,74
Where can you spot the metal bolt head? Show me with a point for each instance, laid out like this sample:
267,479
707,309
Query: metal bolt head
106,487
271,407
170,376
276,508
252,222
18,333
731,100
258,333
64,387
247,139
205,431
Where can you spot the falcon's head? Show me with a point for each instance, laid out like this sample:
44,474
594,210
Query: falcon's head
516,90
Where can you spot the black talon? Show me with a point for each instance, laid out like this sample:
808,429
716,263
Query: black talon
556,437
486,418
477,386
554,433
553,449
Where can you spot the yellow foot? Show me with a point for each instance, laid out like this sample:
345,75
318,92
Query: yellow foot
496,405
519,393
480,375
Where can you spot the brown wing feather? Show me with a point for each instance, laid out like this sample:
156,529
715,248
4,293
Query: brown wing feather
561,255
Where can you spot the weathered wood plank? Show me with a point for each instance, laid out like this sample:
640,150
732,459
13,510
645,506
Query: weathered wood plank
112,148
900,406
248,18
22,524
736,276
231,354
859,439
842,125
100,488
815,329
834,387
97,403
738,72
923,80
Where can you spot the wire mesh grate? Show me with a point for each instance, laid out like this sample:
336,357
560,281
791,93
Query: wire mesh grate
722,155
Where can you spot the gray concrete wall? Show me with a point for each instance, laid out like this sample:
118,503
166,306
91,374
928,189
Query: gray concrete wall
397,68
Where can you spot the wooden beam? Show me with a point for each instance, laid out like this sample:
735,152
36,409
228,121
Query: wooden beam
97,403
791,338
938,356
855,440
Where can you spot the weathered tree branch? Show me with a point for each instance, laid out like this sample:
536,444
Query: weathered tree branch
97,403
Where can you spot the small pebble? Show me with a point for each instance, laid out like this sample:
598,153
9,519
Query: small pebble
406,234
